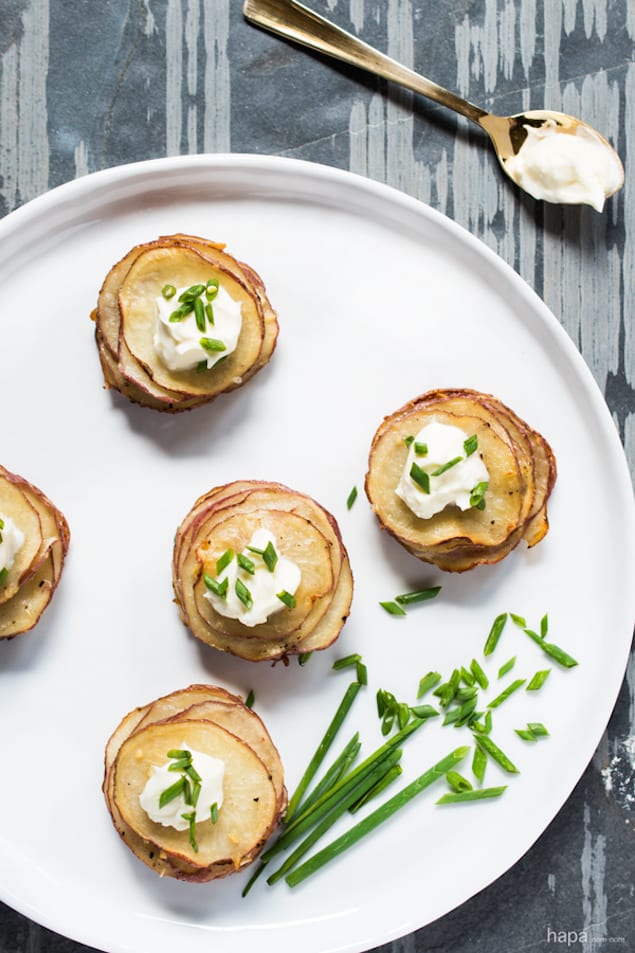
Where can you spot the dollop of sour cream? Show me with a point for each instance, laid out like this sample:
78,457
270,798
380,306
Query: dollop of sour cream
431,450
11,542
566,168
211,771
264,585
178,343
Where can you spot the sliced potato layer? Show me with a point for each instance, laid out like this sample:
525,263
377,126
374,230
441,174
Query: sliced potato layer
225,519
215,722
522,472
27,586
126,315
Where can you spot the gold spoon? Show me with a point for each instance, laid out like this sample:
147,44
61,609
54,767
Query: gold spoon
508,134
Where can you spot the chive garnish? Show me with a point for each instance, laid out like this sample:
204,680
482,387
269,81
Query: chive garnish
420,595
470,445
181,312
507,667
350,499
538,680
223,561
209,313
504,695
304,657
476,794
172,792
191,819
421,449
181,753
211,289
250,699
168,291
213,811
218,588
4,572
484,741
495,633
392,608
479,674
477,496
479,764
212,344
243,594
348,661
420,477
538,729
199,315
201,366
457,782
428,682
409,440
245,563
553,651
191,293
287,598
446,466
270,556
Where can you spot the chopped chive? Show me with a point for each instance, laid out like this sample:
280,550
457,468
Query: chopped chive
250,699
347,662
544,626
377,817
196,790
392,608
223,561
191,293
213,811
428,682
218,588
211,289
191,819
180,765
212,344
245,563
409,440
209,313
446,466
172,792
287,598
507,667
243,594
201,366
168,291
518,620
457,782
181,753
4,572
350,499
421,449
467,677
495,633
477,496
477,794
270,556
199,315
422,595
553,651
470,445
362,673
479,674
192,773
504,695
484,741
304,657
525,734
479,764
420,477
181,313
538,729
538,680
424,711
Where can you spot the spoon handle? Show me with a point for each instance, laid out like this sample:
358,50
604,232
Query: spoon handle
294,21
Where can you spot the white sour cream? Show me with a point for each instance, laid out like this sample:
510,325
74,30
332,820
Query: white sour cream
454,486
212,773
178,343
566,168
11,541
263,585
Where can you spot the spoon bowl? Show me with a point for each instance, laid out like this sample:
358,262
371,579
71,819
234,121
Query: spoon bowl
575,163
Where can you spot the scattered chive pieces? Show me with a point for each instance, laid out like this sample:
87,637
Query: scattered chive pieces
172,792
392,608
477,496
211,289
223,561
507,667
495,633
420,477
518,620
199,315
553,651
250,699
424,711
476,794
457,782
421,595
287,598
347,662
209,313
446,466
201,366
218,588
428,682
245,563
538,680
470,445
479,674
479,763
4,572
544,626
467,677
168,291
180,753
504,695
525,734
212,344
191,819
243,594
484,741
181,313
304,657
538,729
270,556
352,496
409,440
214,813
421,449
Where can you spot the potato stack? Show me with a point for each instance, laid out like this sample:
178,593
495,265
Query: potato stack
207,719
522,472
27,587
225,519
126,315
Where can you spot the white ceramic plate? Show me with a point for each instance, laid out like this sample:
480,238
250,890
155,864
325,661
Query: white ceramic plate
379,299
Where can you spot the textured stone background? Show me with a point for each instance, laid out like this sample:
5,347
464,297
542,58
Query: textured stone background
87,85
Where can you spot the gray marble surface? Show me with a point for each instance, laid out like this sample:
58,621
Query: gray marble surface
88,85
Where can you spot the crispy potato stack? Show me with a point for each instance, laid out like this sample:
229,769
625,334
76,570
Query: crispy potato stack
213,721
126,315
28,586
226,518
522,472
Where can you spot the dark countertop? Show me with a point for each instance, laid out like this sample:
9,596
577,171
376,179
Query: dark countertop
88,86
